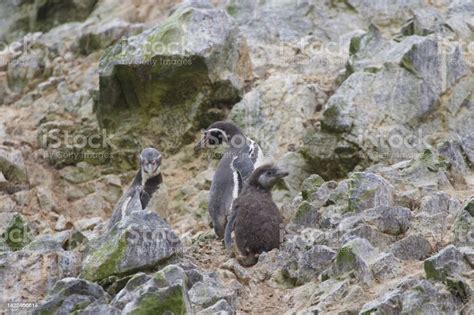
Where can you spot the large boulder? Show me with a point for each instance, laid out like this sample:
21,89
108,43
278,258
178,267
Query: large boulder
380,112
163,83
138,242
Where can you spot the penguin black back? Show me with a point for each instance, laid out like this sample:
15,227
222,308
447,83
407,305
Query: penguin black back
257,219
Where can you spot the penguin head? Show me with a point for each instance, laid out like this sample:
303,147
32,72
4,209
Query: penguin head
218,133
150,162
266,176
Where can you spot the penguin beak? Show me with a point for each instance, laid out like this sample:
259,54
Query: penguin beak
281,173
201,144
150,167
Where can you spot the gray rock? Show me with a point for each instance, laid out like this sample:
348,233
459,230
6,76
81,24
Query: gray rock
7,204
390,220
367,263
208,292
414,296
102,35
412,247
384,13
140,241
367,190
276,113
447,263
464,225
328,155
197,46
70,294
162,292
295,164
221,307
28,69
458,18
425,21
468,253
97,307
306,215
306,38
450,267
468,147
12,166
329,293
411,68
453,153
313,262
15,16
362,230
240,272
439,202
426,172
311,185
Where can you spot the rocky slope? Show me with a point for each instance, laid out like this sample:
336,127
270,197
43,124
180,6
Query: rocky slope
368,104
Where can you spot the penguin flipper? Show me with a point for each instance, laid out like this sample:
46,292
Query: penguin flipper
244,165
228,230
127,202
135,203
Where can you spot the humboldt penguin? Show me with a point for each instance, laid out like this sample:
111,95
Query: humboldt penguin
240,158
255,218
146,182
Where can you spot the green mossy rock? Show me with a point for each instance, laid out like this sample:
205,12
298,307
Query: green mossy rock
17,234
160,85
141,241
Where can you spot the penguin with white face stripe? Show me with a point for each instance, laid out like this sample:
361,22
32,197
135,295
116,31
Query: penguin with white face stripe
146,182
240,158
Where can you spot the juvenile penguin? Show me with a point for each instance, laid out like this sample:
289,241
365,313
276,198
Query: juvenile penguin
255,217
241,157
146,182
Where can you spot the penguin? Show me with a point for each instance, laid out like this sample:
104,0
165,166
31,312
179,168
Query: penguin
255,218
146,182
239,160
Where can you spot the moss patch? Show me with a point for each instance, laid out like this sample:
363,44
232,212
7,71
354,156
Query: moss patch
17,235
345,259
104,261
432,272
167,301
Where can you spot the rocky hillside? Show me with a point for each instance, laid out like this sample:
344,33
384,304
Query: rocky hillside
368,104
